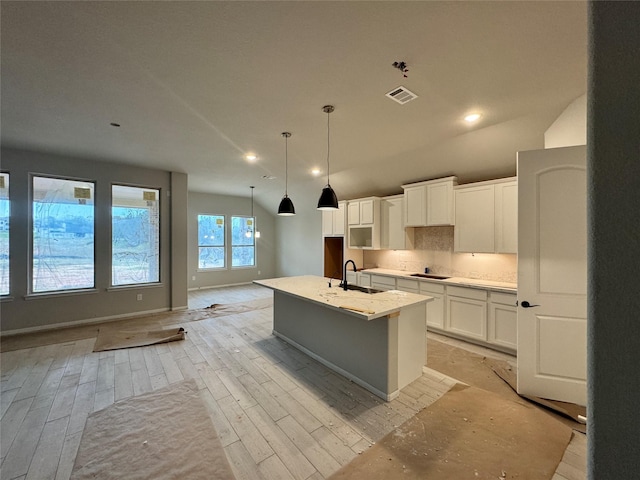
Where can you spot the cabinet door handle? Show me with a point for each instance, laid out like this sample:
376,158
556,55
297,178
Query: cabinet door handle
526,304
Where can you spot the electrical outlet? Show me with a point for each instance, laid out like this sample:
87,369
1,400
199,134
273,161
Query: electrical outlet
139,296
258,272
193,277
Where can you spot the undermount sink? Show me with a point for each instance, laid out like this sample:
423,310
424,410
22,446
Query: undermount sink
429,275
358,288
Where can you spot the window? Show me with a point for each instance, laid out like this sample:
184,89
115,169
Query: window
62,241
211,241
242,242
4,233
135,235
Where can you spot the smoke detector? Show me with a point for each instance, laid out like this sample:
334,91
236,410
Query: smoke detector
401,95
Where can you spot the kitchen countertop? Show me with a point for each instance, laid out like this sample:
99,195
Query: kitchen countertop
316,289
505,287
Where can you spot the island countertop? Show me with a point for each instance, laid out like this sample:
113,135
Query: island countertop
366,306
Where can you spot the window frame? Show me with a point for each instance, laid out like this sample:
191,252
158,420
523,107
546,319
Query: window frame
142,188
30,232
7,187
223,246
253,244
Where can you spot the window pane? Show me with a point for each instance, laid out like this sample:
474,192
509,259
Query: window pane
211,241
211,257
241,231
4,233
135,235
63,235
242,242
242,257
211,230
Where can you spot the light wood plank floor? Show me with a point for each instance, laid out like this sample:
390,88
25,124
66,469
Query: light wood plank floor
278,413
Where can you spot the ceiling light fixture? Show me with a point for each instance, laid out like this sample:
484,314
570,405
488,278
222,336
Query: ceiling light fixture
315,172
286,208
250,157
328,199
472,117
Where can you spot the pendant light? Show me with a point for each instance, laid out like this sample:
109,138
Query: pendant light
328,199
286,208
249,232
256,233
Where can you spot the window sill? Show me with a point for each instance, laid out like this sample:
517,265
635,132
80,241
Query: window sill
36,296
134,286
6,298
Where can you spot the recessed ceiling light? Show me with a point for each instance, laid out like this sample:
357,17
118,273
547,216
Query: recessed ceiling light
251,157
472,117
315,171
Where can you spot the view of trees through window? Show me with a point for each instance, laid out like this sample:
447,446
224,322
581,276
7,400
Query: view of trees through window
211,234
4,233
62,247
135,235
242,242
63,234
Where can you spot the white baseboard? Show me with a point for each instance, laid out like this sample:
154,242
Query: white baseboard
209,287
78,323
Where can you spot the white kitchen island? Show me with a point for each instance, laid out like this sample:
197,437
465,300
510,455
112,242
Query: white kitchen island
377,340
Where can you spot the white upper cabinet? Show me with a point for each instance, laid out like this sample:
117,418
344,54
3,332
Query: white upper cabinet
353,212
475,224
362,212
507,217
429,203
366,212
394,235
363,219
333,221
415,206
486,217
440,204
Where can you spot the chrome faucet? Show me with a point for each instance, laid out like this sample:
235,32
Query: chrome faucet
344,273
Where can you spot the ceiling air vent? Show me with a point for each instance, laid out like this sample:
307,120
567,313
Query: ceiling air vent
401,95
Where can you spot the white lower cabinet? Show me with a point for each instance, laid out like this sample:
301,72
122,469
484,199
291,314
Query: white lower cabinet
467,312
408,285
435,308
353,278
503,320
481,316
382,282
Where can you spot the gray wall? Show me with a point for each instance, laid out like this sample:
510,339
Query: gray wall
613,143
299,247
204,203
179,239
21,311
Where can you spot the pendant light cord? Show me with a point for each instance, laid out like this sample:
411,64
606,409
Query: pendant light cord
328,145
286,165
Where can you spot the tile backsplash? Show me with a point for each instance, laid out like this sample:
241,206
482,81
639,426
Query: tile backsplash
433,248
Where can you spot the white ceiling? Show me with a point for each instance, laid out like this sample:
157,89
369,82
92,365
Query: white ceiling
196,85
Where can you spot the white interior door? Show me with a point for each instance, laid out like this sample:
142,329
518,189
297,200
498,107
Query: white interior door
552,274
